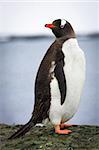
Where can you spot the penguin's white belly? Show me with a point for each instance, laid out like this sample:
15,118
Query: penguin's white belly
74,70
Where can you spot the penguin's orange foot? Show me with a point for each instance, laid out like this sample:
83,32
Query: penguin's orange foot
63,131
65,125
59,131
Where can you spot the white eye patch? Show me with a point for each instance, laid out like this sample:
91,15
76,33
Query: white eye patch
63,22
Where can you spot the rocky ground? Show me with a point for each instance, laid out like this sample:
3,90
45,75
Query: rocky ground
44,138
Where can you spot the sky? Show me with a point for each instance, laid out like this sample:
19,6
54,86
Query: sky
29,17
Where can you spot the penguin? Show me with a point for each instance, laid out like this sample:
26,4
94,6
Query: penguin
59,81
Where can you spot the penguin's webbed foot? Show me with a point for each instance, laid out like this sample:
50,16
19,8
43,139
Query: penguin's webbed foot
63,131
59,131
65,125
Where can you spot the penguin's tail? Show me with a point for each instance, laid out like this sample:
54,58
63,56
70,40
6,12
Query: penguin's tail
25,128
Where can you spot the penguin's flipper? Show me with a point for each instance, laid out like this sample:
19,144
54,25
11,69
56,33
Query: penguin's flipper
60,76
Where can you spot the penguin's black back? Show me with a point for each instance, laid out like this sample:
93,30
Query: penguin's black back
44,77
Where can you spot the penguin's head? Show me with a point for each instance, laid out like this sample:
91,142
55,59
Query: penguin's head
61,27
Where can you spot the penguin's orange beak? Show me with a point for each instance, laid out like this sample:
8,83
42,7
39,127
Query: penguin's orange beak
51,26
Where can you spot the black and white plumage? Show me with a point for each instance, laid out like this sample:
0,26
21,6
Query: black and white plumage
59,79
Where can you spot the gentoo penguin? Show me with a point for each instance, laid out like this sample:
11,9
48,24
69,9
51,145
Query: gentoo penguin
59,80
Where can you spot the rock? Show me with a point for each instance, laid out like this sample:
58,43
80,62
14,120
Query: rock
43,138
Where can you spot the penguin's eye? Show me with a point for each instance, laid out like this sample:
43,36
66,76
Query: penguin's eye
61,26
63,22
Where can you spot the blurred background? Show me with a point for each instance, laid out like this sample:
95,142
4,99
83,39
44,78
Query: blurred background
23,43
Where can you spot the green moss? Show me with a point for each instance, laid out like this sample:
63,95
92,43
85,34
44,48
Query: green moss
82,138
